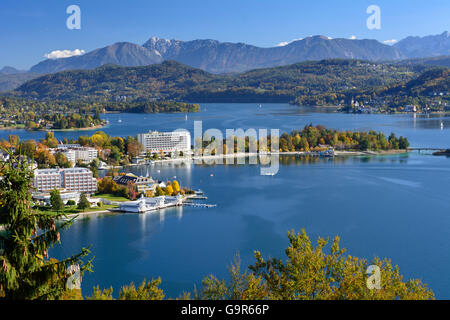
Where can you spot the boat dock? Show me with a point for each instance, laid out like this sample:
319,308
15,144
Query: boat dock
198,197
143,204
199,205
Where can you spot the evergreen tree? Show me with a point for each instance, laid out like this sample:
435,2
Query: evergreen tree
26,272
97,114
56,201
84,202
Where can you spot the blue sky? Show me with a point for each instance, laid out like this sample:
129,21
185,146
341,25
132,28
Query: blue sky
31,29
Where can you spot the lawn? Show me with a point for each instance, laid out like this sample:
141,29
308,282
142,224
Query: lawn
111,197
74,210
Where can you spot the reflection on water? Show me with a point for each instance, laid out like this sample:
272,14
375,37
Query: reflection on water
439,122
392,206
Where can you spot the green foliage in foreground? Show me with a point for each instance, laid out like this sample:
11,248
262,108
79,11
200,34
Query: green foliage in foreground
321,272
26,271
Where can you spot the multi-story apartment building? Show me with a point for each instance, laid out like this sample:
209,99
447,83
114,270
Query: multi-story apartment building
71,179
79,179
85,154
47,179
167,142
75,152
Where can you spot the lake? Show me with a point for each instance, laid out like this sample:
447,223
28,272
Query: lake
393,206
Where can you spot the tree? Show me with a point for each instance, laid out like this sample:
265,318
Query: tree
133,147
115,154
28,148
131,190
146,291
311,273
159,191
175,186
394,142
83,203
97,115
168,190
50,140
61,160
26,270
364,144
403,143
241,286
56,201
107,185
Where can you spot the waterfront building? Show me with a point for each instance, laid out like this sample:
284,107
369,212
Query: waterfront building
71,179
44,197
148,204
142,183
166,142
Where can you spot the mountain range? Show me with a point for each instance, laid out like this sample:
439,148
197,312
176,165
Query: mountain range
226,57
429,46
223,57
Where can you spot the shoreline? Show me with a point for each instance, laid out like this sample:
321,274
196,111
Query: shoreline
55,130
240,155
100,126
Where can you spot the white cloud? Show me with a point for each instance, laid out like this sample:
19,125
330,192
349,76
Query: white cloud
282,44
353,38
393,41
285,43
57,54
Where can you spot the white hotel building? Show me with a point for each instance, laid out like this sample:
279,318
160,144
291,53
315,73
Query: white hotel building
71,179
167,142
75,152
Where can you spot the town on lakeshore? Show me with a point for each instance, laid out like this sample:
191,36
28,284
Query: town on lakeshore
222,156
66,170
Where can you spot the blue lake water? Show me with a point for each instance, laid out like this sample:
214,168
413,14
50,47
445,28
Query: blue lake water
422,130
390,206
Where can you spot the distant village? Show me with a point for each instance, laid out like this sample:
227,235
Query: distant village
435,103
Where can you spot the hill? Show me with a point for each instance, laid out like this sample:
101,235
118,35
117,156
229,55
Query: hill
440,61
10,81
429,83
171,80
